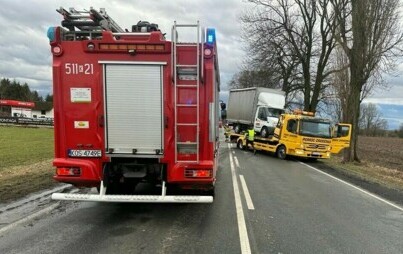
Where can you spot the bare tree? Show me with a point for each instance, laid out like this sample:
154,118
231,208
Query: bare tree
253,78
369,34
267,56
400,131
337,92
371,122
296,38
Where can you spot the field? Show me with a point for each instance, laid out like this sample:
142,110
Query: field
22,146
381,161
384,152
25,161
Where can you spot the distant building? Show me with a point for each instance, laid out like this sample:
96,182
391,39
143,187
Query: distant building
43,109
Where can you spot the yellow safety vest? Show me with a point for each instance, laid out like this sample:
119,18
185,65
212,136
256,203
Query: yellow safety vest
251,135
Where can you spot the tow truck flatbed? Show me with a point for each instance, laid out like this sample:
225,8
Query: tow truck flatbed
299,134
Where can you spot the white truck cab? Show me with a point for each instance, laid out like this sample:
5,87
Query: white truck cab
266,120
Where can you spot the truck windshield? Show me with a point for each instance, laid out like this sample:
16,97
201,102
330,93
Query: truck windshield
315,128
274,112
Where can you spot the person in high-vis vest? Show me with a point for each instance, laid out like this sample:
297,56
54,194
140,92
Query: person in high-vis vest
250,138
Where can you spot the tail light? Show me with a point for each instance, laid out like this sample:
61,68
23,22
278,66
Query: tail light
198,173
68,171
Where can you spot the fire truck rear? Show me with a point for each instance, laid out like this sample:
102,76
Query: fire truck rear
133,108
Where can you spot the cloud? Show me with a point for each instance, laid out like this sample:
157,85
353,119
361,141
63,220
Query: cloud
392,92
394,123
393,95
24,47
392,113
386,100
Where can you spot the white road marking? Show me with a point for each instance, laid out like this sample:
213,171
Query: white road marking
243,233
236,161
357,188
233,152
246,193
28,218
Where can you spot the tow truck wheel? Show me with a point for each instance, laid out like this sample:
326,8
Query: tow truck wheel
264,132
237,129
281,154
240,145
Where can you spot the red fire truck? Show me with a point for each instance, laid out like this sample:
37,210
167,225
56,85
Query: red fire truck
131,107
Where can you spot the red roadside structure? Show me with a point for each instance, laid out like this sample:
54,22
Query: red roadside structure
14,103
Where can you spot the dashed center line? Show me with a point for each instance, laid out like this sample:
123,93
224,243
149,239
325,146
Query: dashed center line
236,161
248,199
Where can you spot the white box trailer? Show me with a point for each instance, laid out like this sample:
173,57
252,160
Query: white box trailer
257,106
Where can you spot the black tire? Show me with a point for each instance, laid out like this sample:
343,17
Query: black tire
237,129
240,145
264,132
281,152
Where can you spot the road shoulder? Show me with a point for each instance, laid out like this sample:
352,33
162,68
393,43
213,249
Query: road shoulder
391,194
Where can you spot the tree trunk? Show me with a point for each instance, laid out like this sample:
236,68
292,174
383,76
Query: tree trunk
352,112
357,58
307,90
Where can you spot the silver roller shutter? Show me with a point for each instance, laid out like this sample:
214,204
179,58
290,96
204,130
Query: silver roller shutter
133,108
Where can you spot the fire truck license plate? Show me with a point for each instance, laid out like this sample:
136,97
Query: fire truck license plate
85,153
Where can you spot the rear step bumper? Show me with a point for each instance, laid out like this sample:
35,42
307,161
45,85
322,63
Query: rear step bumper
102,197
132,198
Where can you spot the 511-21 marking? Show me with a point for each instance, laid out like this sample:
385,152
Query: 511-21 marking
75,68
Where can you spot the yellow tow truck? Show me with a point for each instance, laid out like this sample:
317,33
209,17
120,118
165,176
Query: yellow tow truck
300,134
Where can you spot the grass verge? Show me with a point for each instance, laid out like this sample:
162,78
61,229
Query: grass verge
19,181
25,161
369,172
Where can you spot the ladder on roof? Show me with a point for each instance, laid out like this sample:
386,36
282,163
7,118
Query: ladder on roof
186,78
91,20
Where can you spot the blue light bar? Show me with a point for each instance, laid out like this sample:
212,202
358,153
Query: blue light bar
51,33
210,36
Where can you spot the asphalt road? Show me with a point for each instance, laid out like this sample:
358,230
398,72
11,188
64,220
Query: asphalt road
292,209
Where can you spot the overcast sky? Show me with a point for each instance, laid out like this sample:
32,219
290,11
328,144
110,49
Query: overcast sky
25,52
24,47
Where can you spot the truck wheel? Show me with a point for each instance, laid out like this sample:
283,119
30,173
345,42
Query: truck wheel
240,145
281,152
264,132
237,129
